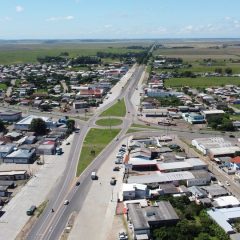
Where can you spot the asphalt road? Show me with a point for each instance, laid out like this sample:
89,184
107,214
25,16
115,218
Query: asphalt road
51,224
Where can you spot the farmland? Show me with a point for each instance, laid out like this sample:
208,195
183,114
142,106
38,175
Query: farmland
28,53
202,81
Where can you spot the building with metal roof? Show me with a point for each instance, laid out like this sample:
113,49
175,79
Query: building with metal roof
226,201
143,219
25,123
215,190
224,216
25,156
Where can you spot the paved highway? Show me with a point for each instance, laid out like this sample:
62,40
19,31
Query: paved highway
51,224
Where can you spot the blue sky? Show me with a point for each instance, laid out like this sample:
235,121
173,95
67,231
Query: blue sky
67,19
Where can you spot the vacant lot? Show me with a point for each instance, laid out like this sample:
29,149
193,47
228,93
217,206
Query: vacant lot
202,81
95,141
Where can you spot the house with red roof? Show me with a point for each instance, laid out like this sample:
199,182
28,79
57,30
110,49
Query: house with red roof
97,93
235,163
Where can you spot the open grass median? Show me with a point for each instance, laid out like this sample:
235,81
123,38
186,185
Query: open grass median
108,122
95,141
117,110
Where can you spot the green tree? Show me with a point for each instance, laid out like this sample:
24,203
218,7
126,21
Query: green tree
228,71
2,126
70,125
218,70
38,126
203,236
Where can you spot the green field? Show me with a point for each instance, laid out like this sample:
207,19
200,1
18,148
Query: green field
202,81
3,86
109,122
95,141
28,53
117,110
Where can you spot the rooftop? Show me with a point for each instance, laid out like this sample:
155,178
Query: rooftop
226,201
143,217
21,153
223,216
215,190
27,120
215,111
161,177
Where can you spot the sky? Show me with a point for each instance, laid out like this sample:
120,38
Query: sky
107,19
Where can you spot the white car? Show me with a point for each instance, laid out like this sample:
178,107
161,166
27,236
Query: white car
66,202
227,183
122,236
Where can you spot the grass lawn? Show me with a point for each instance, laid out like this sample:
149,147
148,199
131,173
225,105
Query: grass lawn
202,81
3,86
235,117
236,106
117,110
109,122
95,141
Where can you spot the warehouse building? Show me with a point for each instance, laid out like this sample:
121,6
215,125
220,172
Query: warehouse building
13,175
25,123
212,113
24,156
224,217
144,219
10,116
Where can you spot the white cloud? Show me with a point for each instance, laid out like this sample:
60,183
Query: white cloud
228,18
19,9
5,19
53,19
107,26
68,18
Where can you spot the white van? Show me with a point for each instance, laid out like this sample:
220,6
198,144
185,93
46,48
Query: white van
93,176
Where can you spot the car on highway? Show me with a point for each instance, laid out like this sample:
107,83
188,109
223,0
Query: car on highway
77,183
116,168
66,202
94,176
113,181
68,143
122,236
227,183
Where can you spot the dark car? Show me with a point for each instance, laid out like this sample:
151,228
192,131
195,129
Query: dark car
77,183
116,168
113,181
231,136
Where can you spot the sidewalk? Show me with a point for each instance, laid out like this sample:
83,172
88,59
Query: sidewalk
33,193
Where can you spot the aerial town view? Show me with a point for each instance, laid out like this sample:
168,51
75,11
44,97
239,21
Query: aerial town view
119,120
